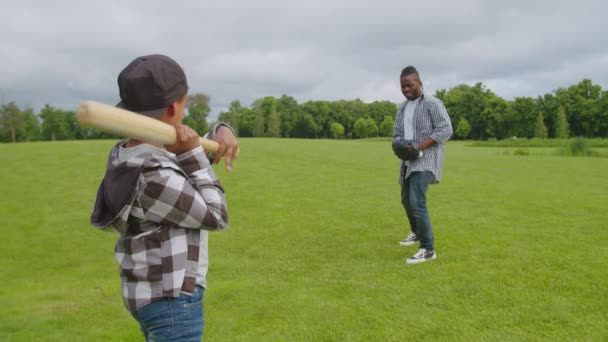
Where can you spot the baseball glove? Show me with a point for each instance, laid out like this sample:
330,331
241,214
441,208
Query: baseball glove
406,150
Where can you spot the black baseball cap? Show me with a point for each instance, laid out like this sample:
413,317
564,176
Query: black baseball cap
149,84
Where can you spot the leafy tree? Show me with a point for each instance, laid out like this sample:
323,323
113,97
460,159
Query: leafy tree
258,126
233,115
247,122
55,125
198,110
360,128
289,113
562,129
365,128
469,102
321,112
31,126
10,121
265,106
274,125
580,102
440,94
386,127
541,130
358,109
602,117
74,130
379,110
497,117
337,130
463,129
342,113
306,127
372,128
524,111
548,104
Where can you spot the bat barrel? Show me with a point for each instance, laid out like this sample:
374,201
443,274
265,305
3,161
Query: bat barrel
124,123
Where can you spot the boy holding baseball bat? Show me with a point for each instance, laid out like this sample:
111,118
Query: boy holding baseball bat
163,200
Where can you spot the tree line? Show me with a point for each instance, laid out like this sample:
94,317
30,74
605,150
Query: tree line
52,124
477,113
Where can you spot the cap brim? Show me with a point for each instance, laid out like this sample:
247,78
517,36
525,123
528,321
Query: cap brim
154,113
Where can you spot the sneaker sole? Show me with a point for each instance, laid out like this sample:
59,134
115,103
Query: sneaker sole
409,243
417,261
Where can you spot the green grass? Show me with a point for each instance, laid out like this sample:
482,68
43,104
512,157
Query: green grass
536,142
574,147
312,253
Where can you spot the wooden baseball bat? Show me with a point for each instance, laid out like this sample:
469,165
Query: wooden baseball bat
128,124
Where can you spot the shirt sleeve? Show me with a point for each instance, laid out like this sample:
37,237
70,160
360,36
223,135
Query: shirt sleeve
442,125
196,201
398,124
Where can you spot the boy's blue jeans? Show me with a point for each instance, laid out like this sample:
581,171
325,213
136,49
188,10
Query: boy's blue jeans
173,319
413,198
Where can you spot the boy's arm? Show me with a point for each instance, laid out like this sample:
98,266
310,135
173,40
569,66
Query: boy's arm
196,202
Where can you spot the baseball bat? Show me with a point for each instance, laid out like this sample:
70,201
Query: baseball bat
128,124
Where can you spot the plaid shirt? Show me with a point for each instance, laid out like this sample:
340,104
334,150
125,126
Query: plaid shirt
431,120
162,205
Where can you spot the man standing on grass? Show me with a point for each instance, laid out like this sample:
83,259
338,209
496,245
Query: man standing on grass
162,200
422,127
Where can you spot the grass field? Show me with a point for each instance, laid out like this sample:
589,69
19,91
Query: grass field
312,252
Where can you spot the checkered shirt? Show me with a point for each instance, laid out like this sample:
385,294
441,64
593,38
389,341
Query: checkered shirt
169,204
431,120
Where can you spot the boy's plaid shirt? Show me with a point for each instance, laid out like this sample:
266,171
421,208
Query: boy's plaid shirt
431,120
162,249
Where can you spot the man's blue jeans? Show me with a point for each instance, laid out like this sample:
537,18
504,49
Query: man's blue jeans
173,319
413,198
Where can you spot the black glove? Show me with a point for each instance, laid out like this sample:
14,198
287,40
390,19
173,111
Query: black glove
405,150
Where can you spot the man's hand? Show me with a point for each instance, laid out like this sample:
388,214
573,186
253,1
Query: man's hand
405,150
426,143
187,139
228,146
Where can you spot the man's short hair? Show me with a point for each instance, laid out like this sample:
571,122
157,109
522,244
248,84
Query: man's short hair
408,70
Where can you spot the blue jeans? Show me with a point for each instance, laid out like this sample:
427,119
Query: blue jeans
173,319
413,198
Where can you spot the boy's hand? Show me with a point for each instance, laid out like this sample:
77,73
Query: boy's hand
187,139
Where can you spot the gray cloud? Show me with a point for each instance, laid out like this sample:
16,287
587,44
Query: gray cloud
64,52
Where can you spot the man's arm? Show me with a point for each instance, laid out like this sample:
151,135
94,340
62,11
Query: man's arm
398,124
426,143
442,126
226,137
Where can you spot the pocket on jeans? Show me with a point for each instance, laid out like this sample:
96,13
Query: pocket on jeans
194,300
156,318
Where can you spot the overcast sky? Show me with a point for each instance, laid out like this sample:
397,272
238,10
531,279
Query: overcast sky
62,52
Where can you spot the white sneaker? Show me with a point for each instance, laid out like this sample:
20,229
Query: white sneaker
409,240
422,256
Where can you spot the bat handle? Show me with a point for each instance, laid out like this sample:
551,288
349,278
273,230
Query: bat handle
212,146
209,145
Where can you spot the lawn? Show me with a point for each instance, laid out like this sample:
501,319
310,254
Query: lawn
312,251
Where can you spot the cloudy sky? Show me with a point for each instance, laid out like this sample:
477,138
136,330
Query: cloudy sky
62,52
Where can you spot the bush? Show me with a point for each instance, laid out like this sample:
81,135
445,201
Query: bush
521,152
577,147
